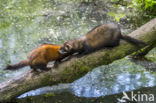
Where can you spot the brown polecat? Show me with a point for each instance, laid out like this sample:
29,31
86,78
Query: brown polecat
106,35
39,57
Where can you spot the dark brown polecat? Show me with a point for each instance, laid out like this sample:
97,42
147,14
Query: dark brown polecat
39,57
106,35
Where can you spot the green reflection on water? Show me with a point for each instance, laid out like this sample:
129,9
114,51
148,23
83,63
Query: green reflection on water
25,24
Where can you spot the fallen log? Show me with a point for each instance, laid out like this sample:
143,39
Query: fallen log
75,68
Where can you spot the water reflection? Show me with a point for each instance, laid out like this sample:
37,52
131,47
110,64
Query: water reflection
105,81
11,41
54,89
27,24
1,43
121,75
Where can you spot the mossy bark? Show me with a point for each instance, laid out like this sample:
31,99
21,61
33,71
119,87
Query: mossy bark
144,51
75,68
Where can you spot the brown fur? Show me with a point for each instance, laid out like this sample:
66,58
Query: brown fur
39,57
106,35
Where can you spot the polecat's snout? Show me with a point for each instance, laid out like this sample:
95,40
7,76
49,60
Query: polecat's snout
66,48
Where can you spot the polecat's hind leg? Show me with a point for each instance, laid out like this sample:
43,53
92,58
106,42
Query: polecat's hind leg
56,63
40,67
44,67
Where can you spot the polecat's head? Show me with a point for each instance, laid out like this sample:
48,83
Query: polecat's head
66,48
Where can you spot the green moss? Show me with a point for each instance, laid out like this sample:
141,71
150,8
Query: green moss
47,80
79,69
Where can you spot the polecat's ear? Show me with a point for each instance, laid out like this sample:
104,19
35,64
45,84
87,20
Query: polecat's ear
68,47
65,43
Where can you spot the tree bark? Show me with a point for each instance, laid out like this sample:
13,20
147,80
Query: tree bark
75,68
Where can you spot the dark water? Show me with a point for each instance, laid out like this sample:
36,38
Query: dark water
25,24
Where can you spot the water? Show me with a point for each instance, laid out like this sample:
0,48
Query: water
25,24
121,75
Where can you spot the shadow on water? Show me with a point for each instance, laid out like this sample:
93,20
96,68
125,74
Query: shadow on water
25,24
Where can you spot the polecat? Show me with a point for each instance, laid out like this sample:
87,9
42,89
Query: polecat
106,35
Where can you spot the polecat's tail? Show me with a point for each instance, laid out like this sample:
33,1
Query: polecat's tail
132,40
18,65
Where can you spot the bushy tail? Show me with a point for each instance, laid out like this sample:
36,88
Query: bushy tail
132,40
18,65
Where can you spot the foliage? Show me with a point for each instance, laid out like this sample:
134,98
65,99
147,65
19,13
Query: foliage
117,16
145,7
